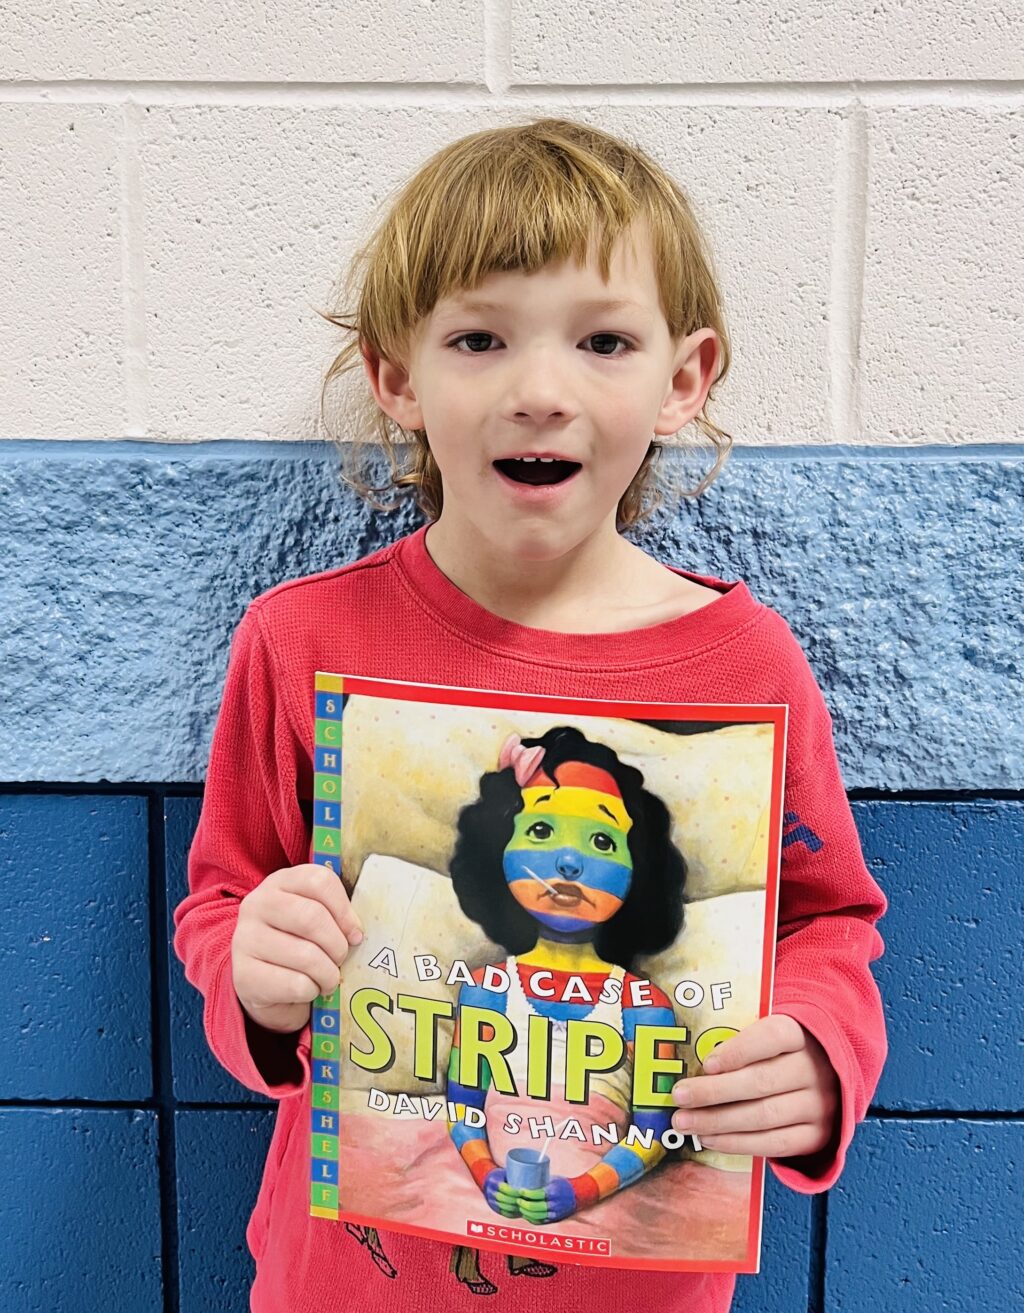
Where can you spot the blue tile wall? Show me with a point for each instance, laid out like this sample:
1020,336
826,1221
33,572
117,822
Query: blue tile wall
219,1159
952,976
197,1075
782,1283
929,1215
74,948
130,1160
79,1211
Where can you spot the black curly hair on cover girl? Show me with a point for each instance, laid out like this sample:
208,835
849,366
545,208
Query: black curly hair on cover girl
651,916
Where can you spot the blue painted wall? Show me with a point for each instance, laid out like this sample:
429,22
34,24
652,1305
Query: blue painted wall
130,1160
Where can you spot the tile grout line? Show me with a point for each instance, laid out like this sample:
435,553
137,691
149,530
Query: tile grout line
816,1268
161,1053
77,788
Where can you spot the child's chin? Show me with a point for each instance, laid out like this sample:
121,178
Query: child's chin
566,925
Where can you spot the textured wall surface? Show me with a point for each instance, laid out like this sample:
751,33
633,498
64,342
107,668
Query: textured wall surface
953,1186
123,572
126,569
154,1186
80,1212
181,189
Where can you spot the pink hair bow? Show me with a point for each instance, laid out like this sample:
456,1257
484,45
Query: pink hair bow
523,760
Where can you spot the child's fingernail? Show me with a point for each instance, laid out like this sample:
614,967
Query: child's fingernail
355,937
680,1122
712,1065
681,1095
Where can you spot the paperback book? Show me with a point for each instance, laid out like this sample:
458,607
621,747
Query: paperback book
567,903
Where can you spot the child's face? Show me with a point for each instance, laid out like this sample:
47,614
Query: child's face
542,373
568,869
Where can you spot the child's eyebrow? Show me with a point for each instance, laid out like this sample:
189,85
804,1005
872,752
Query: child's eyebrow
595,303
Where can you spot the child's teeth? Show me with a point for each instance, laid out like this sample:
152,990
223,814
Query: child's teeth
546,460
529,459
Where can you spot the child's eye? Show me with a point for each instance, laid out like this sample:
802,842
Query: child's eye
612,337
604,843
465,337
540,830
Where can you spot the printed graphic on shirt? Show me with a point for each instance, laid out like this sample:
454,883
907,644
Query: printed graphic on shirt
567,904
794,832
464,1263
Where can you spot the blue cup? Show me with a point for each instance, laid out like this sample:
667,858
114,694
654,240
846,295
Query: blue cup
525,1169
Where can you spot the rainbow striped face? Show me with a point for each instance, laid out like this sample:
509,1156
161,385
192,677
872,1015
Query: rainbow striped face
568,860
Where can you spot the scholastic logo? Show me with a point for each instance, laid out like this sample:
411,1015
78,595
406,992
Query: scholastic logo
550,1240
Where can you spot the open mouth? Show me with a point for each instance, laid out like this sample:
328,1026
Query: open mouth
537,470
568,895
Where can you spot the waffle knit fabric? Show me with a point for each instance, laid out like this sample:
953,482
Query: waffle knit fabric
395,615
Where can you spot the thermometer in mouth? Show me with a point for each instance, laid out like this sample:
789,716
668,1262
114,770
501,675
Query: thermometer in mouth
557,895
550,888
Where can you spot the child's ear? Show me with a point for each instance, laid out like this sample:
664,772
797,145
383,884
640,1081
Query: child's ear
392,388
695,366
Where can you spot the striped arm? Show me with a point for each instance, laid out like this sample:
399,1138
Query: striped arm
471,1141
625,1163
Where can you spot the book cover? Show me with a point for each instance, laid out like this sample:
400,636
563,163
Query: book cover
567,903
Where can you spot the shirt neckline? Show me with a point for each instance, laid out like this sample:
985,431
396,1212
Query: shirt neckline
628,648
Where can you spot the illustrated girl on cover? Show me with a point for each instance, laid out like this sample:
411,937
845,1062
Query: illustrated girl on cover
566,861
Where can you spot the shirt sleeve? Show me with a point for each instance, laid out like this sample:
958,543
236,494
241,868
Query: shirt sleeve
828,906
250,825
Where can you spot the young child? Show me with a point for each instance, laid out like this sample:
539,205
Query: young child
536,305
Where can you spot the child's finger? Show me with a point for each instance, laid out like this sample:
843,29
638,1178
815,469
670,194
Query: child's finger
332,893
281,985
752,1115
307,918
764,1038
275,948
783,1142
322,884
758,1081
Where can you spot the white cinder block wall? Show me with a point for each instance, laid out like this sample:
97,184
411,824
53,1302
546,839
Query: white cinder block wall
181,184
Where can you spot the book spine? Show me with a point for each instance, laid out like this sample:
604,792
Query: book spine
326,1018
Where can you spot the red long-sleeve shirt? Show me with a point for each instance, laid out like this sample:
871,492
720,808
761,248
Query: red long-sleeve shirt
395,615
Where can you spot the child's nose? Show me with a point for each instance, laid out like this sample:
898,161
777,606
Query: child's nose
568,863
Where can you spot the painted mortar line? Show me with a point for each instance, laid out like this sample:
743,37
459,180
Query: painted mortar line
818,1246
163,1086
104,788
194,789
924,796
945,1114
15,449
200,1105
497,46
846,275
968,93
132,212
75,1104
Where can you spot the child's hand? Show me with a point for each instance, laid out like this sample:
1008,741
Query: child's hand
497,1193
292,935
549,1204
769,1091
556,1200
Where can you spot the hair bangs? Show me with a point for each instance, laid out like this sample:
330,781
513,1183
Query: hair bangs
507,199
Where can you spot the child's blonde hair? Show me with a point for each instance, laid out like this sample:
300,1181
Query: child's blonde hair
517,198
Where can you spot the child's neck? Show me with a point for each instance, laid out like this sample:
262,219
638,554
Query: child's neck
560,956
597,587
